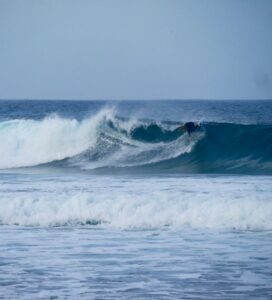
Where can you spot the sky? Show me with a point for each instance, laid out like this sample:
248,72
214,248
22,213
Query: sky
135,49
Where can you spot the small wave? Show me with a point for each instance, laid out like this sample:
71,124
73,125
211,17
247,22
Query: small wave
136,211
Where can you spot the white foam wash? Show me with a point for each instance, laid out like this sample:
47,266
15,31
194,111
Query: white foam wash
137,203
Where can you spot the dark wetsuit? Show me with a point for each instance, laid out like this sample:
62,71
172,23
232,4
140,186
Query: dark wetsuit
190,127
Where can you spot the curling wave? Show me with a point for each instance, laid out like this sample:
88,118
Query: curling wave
105,141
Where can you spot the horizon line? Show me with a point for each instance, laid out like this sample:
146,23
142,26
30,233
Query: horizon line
163,99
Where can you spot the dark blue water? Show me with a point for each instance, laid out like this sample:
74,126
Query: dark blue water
239,112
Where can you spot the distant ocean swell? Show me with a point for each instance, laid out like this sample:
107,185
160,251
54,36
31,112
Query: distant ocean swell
105,141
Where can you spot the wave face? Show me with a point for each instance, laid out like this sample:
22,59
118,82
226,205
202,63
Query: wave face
106,142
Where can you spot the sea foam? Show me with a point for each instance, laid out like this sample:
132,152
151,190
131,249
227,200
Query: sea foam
177,203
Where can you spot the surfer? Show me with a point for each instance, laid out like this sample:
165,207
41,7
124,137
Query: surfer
191,127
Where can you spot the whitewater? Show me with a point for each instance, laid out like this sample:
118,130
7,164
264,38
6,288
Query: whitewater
107,200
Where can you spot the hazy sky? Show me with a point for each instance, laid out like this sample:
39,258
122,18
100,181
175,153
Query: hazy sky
135,49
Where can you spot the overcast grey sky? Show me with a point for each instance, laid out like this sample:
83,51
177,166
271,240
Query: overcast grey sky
138,49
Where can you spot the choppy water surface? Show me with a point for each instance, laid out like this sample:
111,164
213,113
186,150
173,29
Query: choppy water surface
86,263
112,201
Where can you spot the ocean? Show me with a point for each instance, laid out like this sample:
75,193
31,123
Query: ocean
112,200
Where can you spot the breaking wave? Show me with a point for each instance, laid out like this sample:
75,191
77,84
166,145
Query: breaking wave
194,203
106,142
